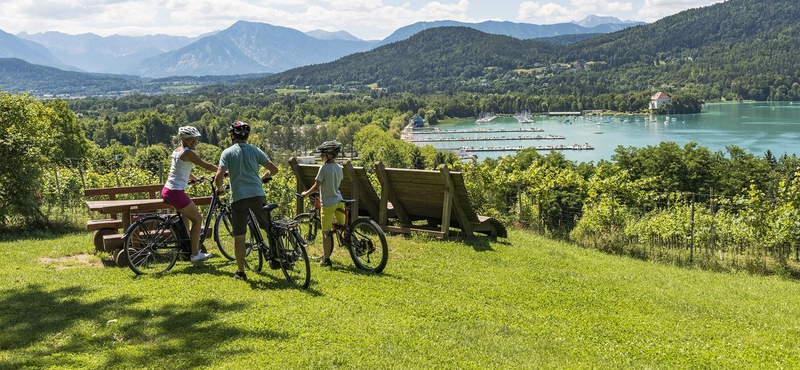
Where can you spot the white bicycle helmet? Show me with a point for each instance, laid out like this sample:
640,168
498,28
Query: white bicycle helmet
186,132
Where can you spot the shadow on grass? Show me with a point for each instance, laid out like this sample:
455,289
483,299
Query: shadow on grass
49,329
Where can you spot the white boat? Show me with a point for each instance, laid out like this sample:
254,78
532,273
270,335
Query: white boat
486,117
524,117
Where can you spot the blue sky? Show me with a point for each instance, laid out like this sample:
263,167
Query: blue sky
365,19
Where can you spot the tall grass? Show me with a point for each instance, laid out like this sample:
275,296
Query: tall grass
525,302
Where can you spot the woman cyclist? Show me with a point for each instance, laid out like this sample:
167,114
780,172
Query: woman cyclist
174,191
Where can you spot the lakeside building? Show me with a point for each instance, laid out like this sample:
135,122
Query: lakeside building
659,100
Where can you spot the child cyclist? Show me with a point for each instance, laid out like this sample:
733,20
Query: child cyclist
327,182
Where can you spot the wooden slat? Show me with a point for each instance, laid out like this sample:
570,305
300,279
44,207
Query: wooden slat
150,189
108,223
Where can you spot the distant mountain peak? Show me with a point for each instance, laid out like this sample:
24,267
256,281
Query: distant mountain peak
596,20
328,35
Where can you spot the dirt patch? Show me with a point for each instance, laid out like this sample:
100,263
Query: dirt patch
80,260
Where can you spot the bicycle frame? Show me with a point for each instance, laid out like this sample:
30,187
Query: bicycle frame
184,240
362,237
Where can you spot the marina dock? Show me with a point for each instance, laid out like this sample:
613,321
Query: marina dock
488,138
518,148
475,131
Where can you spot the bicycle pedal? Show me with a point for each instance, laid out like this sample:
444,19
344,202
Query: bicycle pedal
274,264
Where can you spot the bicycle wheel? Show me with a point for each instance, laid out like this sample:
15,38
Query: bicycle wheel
293,258
151,245
254,247
367,245
309,230
223,234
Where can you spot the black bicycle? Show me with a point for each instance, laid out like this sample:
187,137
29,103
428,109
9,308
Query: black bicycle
283,249
152,244
363,237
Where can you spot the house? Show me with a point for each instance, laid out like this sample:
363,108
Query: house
659,100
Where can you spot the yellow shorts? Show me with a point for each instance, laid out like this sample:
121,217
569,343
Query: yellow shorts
329,213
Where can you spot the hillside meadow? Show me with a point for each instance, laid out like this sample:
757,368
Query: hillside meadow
521,302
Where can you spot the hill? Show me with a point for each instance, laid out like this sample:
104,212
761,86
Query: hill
517,30
17,75
744,48
521,303
437,59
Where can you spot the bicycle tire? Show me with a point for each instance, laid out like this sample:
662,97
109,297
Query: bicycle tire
309,230
151,245
293,258
367,245
223,235
254,247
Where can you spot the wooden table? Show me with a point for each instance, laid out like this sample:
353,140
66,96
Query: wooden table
126,208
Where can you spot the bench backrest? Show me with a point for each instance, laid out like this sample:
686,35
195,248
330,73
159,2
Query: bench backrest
153,191
355,185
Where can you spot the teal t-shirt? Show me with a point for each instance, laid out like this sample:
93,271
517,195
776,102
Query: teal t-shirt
243,162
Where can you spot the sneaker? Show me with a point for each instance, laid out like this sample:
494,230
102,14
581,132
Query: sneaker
325,262
200,256
239,275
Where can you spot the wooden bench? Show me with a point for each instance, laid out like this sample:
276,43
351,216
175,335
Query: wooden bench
109,239
112,225
439,197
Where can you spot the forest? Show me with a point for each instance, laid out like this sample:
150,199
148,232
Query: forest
738,204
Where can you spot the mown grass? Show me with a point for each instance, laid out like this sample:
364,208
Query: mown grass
525,302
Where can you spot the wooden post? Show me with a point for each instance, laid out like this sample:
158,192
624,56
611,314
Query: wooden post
463,220
351,172
301,185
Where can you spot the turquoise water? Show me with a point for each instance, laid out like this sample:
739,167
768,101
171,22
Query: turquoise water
754,127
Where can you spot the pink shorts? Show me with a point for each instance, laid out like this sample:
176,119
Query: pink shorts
177,198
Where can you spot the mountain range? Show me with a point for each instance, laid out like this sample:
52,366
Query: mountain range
243,48
738,48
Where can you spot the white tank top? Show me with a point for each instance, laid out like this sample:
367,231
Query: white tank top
179,172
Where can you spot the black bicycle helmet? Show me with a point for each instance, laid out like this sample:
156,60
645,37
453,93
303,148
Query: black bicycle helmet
330,147
239,128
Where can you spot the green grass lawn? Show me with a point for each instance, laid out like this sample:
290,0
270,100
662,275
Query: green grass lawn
525,302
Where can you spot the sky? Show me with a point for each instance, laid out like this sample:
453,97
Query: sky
365,19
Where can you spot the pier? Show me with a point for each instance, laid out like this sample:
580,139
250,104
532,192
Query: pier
489,138
518,148
475,131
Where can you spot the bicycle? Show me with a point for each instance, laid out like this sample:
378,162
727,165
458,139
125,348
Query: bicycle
152,244
361,236
284,247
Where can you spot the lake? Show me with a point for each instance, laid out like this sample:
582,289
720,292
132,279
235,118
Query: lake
753,126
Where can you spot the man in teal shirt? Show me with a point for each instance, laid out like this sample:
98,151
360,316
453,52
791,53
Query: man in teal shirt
242,161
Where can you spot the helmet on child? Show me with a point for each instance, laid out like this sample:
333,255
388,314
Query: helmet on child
186,132
330,147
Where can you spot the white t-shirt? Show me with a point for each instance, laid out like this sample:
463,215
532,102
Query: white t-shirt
179,171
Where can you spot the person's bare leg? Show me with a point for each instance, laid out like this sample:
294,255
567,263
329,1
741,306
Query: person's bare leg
239,250
192,214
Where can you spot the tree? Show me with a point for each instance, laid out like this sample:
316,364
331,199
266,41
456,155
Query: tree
33,136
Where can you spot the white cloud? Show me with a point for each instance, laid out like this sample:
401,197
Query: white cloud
544,13
362,18
653,10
